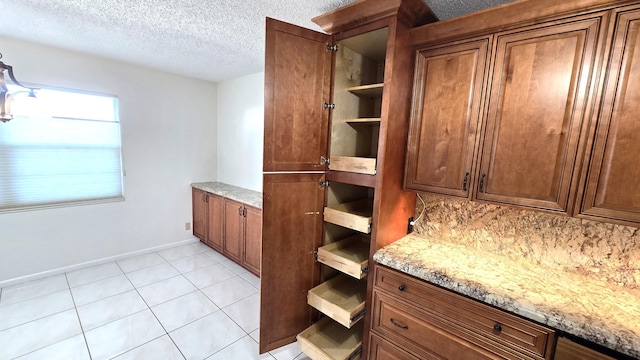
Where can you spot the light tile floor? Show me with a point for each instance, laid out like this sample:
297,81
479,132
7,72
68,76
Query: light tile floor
187,302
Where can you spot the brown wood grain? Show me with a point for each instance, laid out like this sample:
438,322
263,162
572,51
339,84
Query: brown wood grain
381,349
297,81
517,14
412,12
446,116
233,230
538,98
462,322
252,240
199,207
612,190
215,216
291,233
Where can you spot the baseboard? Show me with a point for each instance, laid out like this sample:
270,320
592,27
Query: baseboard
87,264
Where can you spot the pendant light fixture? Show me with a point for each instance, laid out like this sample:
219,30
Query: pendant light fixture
6,96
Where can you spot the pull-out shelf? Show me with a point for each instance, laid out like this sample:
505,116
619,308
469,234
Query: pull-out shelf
354,215
356,164
328,340
350,256
341,298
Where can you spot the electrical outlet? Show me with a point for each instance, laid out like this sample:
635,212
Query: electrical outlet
187,226
410,224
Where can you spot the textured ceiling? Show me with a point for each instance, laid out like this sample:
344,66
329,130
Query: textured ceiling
207,39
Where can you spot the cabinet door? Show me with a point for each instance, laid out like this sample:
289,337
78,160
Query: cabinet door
380,349
445,121
297,82
215,214
252,240
233,229
199,208
291,233
613,185
539,93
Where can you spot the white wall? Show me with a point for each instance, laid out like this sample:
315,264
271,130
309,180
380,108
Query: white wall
241,131
168,140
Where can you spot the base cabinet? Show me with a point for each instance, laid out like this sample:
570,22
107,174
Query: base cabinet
438,324
229,227
207,218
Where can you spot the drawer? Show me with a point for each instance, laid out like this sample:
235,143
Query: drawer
436,336
355,215
380,349
478,318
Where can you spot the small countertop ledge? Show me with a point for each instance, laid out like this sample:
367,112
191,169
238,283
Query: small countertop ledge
245,196
601,312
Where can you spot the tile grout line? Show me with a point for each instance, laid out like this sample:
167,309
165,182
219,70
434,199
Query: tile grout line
75,307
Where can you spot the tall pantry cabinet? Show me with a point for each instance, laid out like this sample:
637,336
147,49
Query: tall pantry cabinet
336,119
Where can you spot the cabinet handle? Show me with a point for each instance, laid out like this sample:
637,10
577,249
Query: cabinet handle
207,199
401,287
482,182
497,327
240,211
465,181
404,327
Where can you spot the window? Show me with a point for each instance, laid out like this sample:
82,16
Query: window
70,156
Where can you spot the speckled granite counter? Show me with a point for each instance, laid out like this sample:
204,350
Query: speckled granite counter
592,309
245,196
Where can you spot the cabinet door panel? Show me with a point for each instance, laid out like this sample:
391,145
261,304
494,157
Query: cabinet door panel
291,233
613,186
297,82
446,113
199,207
252,240
538,99
215,230
233,229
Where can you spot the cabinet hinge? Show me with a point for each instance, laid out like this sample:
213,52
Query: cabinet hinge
324,160
315,254
324,183
333,47
328,106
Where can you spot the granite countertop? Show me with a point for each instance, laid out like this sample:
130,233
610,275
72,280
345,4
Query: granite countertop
598,311
245,196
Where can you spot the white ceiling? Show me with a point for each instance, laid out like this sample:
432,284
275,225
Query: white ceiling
207,39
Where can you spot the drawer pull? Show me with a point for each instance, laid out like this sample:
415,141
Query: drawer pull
497,327
405,327
401,287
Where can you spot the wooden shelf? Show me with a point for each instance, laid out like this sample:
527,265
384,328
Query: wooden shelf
373,90
354,215
349,256
328,340
363,121
355,164
341,298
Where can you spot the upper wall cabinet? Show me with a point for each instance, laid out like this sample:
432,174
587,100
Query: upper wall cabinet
446,117
538,99
612,189
297,76
531,101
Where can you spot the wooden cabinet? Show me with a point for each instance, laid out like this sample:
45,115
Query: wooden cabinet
328,207
537,103
569,350
445,124
297,78
438,324
229,227
233,229
612,189
207,218
532,101
199,211
252,239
